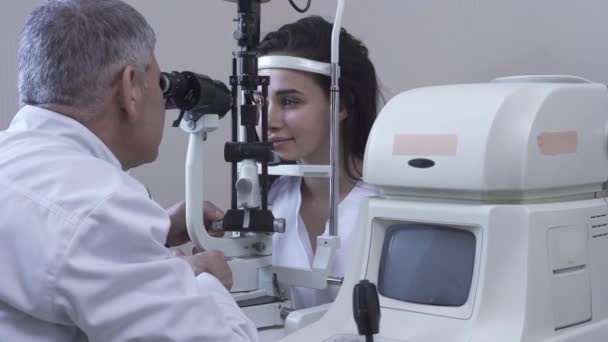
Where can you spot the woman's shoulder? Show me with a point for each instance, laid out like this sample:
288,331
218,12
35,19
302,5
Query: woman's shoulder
365,189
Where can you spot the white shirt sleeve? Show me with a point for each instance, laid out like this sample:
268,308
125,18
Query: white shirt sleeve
240,325
117,282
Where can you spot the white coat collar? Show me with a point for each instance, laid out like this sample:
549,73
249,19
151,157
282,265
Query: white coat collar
32,118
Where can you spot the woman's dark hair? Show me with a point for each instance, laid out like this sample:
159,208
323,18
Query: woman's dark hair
310,38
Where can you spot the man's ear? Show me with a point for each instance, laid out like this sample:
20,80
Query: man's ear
130,92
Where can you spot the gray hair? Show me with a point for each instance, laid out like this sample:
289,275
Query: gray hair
70,50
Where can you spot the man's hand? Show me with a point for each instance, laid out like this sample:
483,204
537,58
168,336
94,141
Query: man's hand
178,233
212,262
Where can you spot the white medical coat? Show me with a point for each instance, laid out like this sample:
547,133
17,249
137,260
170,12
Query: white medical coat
82,248
293,248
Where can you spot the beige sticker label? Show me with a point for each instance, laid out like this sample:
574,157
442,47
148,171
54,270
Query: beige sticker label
425,144
553,143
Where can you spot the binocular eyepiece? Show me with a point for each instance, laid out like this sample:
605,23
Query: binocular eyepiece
192,92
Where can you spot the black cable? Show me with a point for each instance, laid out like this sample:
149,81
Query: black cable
369,338
300,9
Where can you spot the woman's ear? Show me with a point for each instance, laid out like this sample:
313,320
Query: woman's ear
343,114
345,98
130,93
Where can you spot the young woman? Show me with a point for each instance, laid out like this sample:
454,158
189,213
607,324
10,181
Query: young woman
299,129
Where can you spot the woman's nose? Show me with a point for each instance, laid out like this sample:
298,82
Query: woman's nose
275,118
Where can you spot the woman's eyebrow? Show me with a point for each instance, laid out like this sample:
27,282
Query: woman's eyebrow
287,92
280,92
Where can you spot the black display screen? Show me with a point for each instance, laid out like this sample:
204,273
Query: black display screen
427,264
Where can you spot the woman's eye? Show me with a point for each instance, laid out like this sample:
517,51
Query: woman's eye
290,102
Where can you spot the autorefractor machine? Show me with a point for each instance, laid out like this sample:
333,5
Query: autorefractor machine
492,223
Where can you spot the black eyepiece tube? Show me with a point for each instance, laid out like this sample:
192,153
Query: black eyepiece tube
189,91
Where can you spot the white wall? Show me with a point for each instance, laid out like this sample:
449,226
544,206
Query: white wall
12,16
413,43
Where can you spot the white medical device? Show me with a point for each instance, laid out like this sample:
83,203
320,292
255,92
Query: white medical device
492,223
256,281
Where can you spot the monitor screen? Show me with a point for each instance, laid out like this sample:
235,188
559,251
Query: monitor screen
427,264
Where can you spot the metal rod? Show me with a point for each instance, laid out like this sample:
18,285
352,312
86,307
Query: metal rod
264,178
334,155
234,118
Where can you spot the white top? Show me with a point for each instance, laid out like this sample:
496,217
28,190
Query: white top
82,248
509,141
293,248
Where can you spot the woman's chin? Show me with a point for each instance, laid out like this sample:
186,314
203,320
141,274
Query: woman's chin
286,155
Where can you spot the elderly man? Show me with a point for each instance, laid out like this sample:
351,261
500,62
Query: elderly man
82,245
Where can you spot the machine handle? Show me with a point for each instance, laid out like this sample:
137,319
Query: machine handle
366,309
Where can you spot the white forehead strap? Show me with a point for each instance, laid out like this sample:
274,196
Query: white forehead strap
295,63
